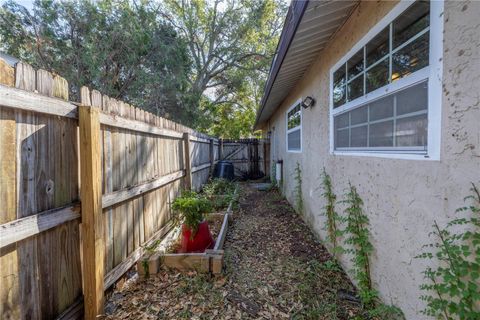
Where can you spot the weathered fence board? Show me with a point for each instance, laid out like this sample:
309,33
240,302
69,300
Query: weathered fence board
142,169
250,157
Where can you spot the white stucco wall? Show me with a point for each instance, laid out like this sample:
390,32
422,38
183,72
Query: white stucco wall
402,197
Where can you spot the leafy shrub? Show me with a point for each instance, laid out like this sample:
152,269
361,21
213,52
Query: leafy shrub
453,291
219,186
191,208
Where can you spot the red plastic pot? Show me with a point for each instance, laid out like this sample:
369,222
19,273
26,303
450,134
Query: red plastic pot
201,240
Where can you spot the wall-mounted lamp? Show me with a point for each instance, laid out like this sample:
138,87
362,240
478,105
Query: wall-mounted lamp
308,102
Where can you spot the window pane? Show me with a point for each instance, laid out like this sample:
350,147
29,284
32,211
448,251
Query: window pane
413,99
341,138
294,140
294,117
359,115
412,131
381,109
411,22
359,136
341,121
381,134
339,81
377,76
355,88
378,47
355,64
411,58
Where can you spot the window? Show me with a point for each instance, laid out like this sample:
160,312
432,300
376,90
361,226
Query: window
294,128
386,92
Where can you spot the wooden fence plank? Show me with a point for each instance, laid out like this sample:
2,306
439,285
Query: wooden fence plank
29,101
120,122
26,194
187,161
108,186
7,74
26,227
119,196
92,222
9,288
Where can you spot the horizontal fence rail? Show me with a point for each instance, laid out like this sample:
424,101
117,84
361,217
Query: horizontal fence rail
85,187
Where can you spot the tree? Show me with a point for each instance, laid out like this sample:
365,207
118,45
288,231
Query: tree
231,44
120,47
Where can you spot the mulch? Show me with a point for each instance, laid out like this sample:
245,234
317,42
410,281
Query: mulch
275,269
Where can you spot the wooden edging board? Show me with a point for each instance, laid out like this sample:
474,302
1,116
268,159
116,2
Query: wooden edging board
209,261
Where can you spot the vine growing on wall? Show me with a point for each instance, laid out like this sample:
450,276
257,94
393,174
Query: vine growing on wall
330,213
357,236
453,288
298,189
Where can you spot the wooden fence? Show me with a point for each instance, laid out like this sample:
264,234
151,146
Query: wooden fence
250,157
83,186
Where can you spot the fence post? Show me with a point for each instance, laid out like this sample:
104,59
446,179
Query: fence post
212,155
91,199
188,161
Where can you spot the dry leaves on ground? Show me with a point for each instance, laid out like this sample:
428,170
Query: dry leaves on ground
275,269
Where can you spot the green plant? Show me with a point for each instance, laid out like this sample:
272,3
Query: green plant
453,291
218,186
298,189
330,213
357,236
191,208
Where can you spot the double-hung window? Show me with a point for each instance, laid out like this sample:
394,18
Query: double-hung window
294,127
386,92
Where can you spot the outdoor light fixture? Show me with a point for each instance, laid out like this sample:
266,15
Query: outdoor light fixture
308,102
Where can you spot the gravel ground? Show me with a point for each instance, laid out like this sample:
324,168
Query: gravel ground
275,269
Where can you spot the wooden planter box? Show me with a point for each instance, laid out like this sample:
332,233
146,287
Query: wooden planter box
209,261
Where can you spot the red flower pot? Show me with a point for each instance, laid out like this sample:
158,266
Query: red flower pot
201,240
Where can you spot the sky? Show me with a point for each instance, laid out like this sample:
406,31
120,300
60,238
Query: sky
26,3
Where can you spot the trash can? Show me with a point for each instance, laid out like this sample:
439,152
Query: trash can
224,169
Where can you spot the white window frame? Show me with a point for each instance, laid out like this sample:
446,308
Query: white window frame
300,127
433,72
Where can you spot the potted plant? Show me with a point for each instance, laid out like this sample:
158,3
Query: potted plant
190,210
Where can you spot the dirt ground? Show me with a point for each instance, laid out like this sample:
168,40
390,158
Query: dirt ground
275,269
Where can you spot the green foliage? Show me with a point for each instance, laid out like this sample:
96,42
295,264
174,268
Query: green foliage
219,186
191,208
357,237
454,285
298,189
332,216
202,63
118,47
220,192
231,44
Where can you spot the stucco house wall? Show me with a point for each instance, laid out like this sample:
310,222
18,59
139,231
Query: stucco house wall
402,197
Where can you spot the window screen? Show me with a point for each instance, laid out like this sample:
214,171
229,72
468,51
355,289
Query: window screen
294,128
398,120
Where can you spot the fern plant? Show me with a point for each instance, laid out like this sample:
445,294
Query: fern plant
330,213
357,236
298,189
453,290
